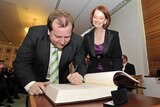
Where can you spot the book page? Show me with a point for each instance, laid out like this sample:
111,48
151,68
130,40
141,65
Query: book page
101,78
124,79
73,87
126,76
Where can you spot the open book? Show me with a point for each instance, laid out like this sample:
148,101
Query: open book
95,86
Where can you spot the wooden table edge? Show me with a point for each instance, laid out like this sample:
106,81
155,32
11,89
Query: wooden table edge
32,101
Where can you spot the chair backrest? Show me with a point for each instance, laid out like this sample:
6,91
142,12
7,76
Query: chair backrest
140,79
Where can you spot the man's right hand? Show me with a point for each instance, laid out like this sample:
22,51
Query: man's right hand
38,88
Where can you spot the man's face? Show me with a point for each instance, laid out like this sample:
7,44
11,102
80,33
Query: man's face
1,65
123,60
60,36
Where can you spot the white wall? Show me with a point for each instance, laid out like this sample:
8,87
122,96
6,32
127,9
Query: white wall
129,22
153,86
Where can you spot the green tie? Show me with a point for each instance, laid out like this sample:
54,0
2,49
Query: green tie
54,67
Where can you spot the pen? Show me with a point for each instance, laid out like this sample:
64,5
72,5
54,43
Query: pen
75,69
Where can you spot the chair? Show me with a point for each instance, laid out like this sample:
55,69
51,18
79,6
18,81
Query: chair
139,78
27,101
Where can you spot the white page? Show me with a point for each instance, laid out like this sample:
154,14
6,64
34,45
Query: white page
102,78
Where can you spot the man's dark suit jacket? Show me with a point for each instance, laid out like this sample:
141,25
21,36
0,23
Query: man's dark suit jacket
3,86
32,60
111,58
129,69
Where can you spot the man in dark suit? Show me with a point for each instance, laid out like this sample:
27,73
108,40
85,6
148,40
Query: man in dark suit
33,58
3,86
4,91
128,67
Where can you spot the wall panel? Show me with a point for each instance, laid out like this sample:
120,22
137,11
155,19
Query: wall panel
151,14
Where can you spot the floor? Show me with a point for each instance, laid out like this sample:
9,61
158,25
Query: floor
17,102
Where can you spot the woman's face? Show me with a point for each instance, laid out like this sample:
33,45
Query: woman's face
98,19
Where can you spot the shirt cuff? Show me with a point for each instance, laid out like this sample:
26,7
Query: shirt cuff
27,87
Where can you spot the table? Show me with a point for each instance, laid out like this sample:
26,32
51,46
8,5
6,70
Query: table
134,101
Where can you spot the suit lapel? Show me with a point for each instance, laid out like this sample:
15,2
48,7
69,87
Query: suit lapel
47,53
107,42
91,42
65,54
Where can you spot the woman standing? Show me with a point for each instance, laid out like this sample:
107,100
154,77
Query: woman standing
101,44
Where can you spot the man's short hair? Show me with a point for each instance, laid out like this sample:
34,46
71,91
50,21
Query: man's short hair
125,57
63,17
